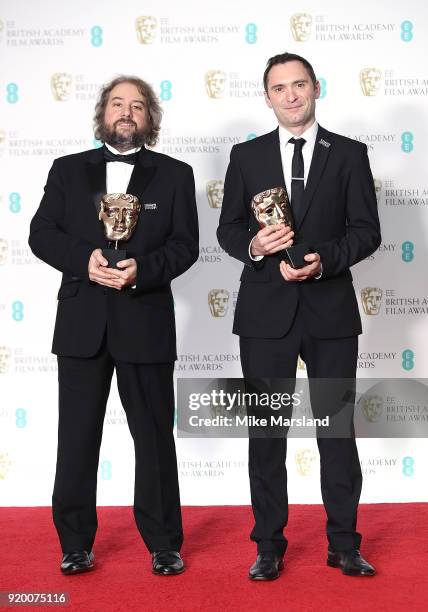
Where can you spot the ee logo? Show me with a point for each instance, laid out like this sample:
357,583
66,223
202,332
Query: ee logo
165,91
96,36
12,93
407,251
408,359
17,311
407,142
14,202
408,466
21,418
106,470
323,87
251,33
406,31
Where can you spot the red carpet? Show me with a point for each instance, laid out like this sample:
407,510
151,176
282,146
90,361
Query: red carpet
217,553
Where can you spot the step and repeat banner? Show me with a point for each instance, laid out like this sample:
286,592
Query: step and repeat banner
206,60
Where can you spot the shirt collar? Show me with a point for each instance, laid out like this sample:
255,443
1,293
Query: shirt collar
309,135
116,152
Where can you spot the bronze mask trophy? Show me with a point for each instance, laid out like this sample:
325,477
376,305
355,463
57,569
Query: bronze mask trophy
271,207
119,214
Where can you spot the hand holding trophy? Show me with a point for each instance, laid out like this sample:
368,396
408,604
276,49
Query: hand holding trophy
119,214
272,207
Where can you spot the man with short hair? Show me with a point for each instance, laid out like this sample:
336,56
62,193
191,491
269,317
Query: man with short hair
283,311
118,318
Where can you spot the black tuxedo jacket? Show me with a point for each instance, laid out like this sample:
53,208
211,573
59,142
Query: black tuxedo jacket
65,230
338,219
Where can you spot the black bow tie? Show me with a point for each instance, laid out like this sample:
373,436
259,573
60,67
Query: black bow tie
131,158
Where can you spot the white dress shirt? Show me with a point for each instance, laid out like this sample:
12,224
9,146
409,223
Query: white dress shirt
118,174
287,151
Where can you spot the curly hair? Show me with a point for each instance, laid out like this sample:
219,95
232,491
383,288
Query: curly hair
154,109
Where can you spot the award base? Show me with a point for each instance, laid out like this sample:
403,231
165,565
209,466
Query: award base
113,256
295,255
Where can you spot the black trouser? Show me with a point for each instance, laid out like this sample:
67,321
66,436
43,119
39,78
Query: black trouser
147,395
341,477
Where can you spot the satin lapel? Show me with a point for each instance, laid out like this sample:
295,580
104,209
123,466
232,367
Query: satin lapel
323,144
96,172
272,161
142,174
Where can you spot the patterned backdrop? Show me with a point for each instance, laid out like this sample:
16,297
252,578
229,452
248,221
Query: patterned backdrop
206,60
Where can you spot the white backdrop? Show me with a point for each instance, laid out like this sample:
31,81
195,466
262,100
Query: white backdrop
175,45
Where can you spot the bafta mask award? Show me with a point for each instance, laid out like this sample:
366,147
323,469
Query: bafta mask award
119,214
272,207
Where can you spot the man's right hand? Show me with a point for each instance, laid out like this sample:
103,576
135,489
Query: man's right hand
271,239
100,273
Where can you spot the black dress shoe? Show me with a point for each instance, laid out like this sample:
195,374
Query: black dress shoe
351,563
167,563
266,567
77,562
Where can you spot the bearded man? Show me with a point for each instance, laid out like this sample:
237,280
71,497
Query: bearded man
117,317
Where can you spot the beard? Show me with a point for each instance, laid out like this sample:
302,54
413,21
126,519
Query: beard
123,140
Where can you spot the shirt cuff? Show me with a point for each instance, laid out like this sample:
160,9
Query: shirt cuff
254,257
318,276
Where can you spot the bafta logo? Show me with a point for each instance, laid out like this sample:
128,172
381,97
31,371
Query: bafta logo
378,188
215,190
4,465
61,86
5,356
301,24
372,408
4,247
145,27
215,82
371,299
218,301
305,458
370,81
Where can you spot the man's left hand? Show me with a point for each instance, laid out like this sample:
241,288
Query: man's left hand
126,272
312,269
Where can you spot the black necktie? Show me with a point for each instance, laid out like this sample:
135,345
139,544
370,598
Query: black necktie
131,158
297,176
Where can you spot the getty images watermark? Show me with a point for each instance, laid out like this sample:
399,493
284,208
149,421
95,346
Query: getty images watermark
228,406
302,408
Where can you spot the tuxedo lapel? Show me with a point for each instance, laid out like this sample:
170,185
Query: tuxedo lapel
323,144
96,172
142,174
272,162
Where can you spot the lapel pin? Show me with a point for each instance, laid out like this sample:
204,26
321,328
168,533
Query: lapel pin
151,206
324,143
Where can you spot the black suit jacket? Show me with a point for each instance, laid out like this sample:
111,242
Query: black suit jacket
65,230
338,219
